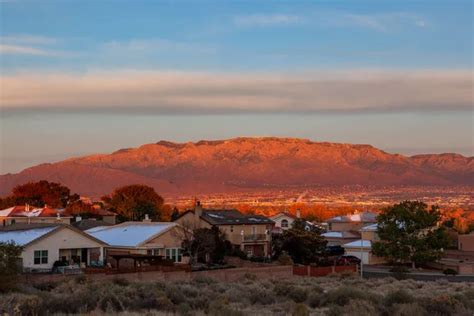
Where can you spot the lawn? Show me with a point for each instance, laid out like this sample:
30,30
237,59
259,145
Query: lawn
344,294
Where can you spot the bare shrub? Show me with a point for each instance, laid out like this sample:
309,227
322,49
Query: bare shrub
300,310
20,304
258,295
397,297
342,295
354,307
411,309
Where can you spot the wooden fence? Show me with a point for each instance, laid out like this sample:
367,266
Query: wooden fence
321,271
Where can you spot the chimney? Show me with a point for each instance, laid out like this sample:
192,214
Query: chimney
197,211
147,219
298,213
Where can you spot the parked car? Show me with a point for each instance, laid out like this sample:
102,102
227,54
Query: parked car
334,250
347,260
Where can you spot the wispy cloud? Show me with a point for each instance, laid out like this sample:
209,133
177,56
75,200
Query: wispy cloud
267,20
189,92
25,44
380,22
27,39
24,50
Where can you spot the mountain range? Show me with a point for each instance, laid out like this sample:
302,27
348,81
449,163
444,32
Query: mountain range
246,163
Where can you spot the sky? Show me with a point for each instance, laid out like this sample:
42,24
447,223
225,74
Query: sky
83,77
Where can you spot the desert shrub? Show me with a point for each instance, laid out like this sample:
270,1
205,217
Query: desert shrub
411,309
443,305
20,304
184,309
356,307
120,281
257,295
300,310
175,294
70,297
298,294
315,299
467,298
202,279
342,295
10,266
397,297
450,271
250,277
189,290
285,259
283,288
46,286
80,279
221,307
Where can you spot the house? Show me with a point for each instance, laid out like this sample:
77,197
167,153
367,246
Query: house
351,222
362,248
250,233
85,224
30,215
460,259
44,244
466,242
340,238
283,221
141,238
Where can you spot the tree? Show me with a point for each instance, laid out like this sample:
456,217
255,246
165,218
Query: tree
409,232
10,266
206,245
304,246
80,208
133,202
43,192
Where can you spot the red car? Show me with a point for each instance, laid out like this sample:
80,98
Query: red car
347,260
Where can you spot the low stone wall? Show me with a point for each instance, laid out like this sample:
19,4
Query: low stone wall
270,272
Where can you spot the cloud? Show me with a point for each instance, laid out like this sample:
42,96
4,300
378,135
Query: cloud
380,22
24,44
27,39
192,92
24,50
266,20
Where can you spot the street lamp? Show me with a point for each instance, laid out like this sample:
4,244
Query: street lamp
361,259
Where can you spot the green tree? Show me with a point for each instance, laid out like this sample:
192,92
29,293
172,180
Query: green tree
133,202
410,233
206,245
304,245
10,266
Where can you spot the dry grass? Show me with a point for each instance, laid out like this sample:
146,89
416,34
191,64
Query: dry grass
333,295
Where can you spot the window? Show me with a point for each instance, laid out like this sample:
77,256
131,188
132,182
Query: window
41,257
284,223
174,254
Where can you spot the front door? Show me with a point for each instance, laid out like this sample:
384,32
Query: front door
84,255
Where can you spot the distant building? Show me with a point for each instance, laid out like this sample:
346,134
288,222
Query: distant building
362,248
141,238
283,221
26,214
340,238
44,244
250,233
352,222
466,242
